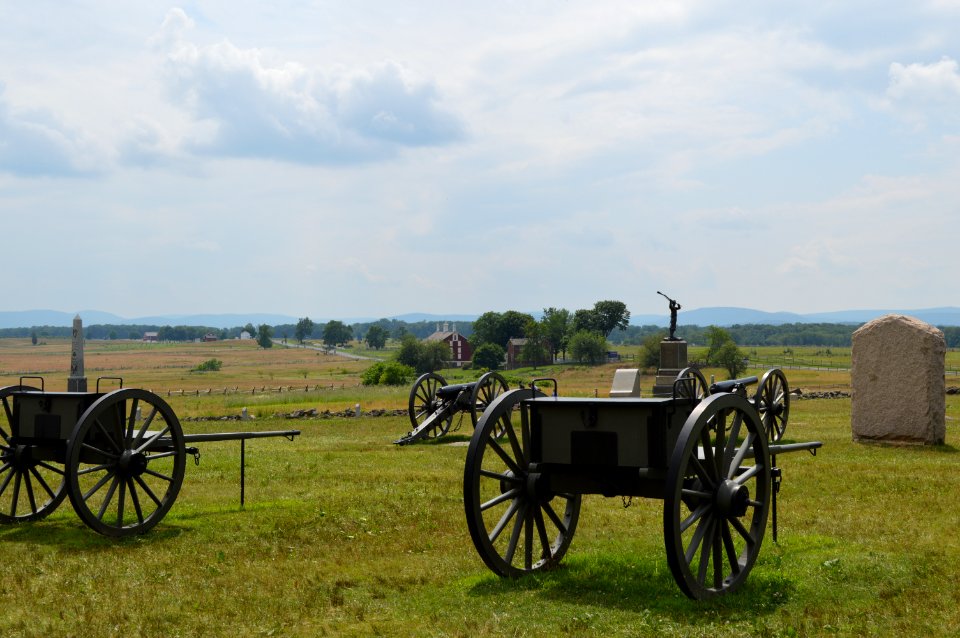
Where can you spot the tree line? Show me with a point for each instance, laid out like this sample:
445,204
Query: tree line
554,322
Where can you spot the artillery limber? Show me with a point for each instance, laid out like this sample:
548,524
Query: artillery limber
705,451
120,456
433,403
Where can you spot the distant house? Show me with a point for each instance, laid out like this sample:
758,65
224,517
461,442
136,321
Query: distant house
245,335
514,357
151,336
460,350
210,337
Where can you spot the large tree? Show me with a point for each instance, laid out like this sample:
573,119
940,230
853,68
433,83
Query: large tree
588,347
422,356
264,334
556,329
609,315
603,318
304,329
376,337
499,328
336,333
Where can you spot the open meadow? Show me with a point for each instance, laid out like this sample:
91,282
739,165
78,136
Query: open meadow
346,534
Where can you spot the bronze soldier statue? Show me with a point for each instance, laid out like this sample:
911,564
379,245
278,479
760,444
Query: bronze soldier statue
674,307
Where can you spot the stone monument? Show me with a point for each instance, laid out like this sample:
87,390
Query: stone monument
673,355
77,382
898,390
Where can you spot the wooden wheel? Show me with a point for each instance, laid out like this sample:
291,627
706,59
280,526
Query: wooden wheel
690,384
772,402
517,525
32,482
423,402
125,462
717,497
488,387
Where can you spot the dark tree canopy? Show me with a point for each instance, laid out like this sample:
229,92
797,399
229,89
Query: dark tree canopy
304,329
336,333
376,337
499,328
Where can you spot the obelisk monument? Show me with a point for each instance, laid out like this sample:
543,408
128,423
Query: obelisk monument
76,382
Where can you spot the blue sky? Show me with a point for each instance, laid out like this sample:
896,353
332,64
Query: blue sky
333,159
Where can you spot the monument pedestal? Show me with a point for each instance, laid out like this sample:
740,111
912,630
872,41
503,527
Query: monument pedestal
673,359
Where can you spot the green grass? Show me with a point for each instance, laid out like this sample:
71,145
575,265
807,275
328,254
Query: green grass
345,534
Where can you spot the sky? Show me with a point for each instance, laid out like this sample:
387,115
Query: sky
371,159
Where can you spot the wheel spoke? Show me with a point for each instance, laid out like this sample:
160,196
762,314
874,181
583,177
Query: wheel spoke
495,532
87,446
515,534
732,559
106,435
108,498
542,533
52,468
136,501
120,502
506,496
552,515
528,538
504,456
16,495
696,539
705,551
103,481
146,488
749,474
6,481
747,536
500,477
740,455
695,516
147,422
132,418
42,482
163,477
153,439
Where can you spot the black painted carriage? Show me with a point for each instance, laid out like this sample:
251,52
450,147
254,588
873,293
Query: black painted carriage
708,452
120,456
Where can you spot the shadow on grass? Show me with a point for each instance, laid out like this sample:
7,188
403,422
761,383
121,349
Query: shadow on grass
72,533
638,585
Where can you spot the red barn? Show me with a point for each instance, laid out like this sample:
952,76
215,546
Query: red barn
460,350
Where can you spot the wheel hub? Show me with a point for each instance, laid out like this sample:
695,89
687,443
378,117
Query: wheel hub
132,463
732,499
23,458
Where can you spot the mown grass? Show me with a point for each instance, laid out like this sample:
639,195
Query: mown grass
345,534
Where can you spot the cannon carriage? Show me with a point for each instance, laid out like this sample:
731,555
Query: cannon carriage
433,403
707,451
119,456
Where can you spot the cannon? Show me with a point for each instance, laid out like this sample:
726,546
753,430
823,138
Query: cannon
706,451
433,404
120,456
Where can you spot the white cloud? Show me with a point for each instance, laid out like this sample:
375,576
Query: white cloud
938,81
248,105
36,144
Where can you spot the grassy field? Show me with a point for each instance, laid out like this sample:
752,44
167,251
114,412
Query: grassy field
345,534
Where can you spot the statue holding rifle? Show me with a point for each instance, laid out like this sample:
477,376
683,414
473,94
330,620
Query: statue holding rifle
674,307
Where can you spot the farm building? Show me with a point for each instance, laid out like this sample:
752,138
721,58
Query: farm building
514,357
460,349
151,336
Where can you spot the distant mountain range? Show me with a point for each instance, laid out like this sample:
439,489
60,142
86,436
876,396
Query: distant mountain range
720,316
